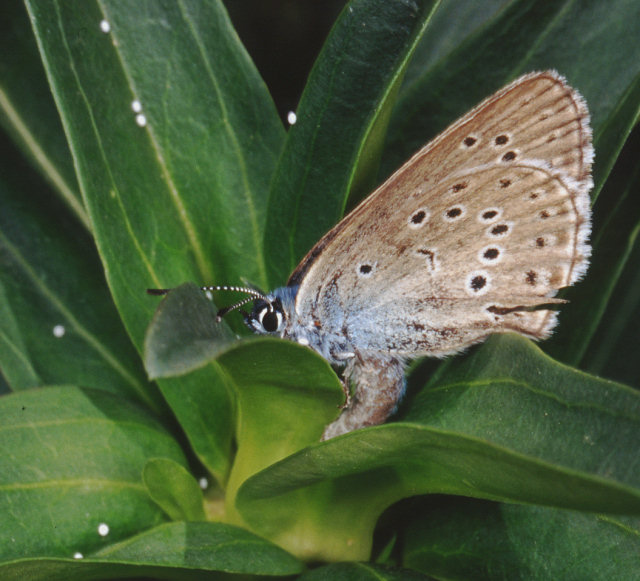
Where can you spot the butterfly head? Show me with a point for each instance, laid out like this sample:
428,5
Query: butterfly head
267,316
270,312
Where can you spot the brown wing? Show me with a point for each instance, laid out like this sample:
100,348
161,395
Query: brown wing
493,210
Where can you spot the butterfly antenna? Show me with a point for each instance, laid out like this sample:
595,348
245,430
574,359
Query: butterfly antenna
222,312
254,294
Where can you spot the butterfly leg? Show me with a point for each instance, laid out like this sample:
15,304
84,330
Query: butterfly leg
379,385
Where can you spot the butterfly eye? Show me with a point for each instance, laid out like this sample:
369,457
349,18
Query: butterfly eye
270,319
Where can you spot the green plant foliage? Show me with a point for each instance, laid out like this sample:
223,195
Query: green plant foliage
143,150
178,550
173,489
471,539
361,572
184,334
73,460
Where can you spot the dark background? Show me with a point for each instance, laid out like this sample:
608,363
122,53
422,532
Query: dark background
284,38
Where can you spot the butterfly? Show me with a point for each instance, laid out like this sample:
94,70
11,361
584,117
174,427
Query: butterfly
473,235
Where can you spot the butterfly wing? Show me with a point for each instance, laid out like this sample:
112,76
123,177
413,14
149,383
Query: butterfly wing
479,227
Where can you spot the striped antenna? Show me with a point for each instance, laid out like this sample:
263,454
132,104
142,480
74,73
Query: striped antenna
237,289
254,294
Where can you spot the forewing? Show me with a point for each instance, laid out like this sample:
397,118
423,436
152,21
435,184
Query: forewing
492,214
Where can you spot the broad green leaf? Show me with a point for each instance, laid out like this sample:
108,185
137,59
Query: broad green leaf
450,24
511,394
183,196
508,424
203,404
180,551
72,460
60,324
470,539
16,366
361,572
180,193
342,117
285,396
184,334
173,489
204,546
27,111
593,44
179,198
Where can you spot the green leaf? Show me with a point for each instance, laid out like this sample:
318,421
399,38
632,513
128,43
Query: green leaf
470,539
509,393
203,404
361,572
60,324
177,551
27,111
342,116
72,460
183,197
204,546
582,41
613,351
184,334
173,489
175,199
507,424
612,134
17,367
285,396
450,24
183,337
